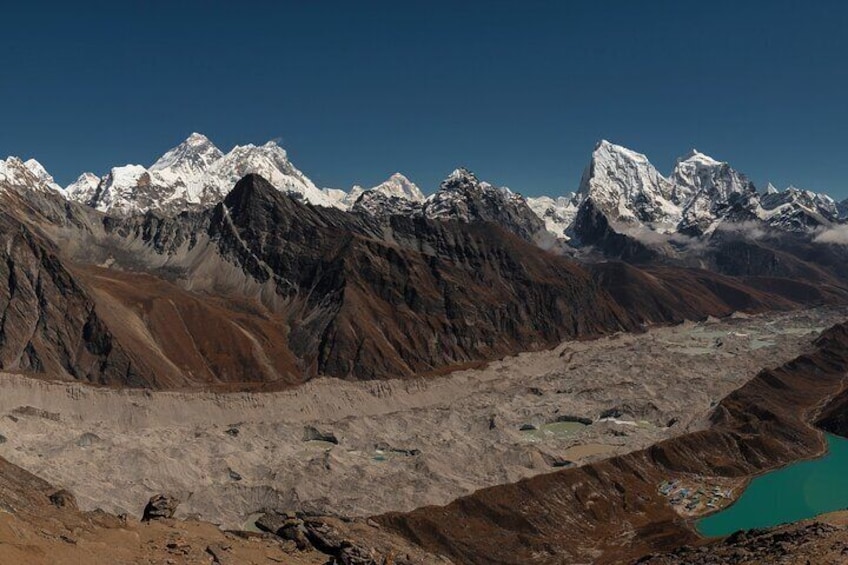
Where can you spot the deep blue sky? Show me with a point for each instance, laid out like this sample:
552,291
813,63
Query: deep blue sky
517,91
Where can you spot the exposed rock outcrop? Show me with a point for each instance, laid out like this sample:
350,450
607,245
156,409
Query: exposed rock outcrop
160,506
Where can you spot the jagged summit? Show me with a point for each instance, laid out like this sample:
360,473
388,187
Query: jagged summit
193,155
41,173
605,148
29,175
400,186
460,175
462,196
698,196
627,188
194,174
397,195
695,156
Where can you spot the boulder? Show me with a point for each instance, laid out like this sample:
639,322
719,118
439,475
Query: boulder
63,499
160,506
579,419
87,439
385,447
311,433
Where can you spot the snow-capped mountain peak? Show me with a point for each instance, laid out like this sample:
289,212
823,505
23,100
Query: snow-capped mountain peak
195,154
195,173
696,157
396,195
271,162
699,172
462,196
399,186
13,172
84,188
29,175
458,176
41,173
710,186
628,189
795,209
557,213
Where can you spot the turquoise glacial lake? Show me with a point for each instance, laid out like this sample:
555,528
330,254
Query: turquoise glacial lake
795,492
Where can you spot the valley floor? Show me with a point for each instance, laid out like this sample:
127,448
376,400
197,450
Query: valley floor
400,444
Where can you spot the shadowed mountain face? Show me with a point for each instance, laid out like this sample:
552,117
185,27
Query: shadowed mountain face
364,301
265,291
48,323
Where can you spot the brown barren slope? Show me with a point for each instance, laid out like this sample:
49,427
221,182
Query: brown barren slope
187,340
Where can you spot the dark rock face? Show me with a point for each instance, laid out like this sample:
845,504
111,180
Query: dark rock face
286,526
578,419
381,206
591,227
49,323
160,506
326,539
463,197
365,303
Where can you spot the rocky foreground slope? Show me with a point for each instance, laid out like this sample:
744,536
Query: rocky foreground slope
41,525
823,542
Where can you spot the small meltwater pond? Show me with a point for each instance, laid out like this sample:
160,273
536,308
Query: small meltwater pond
796,492
554,430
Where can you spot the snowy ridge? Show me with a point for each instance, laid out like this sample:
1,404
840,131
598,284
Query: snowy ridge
463,197
29,175
84,188
399,186
798,210
700,194
558,214
193,174
709,187
41,173
396,195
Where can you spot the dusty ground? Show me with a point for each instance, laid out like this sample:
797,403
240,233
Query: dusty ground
97,542
228,456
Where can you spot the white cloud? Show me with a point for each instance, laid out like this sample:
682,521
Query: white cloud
837,235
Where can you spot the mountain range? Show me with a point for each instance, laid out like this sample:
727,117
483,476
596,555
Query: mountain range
699,196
